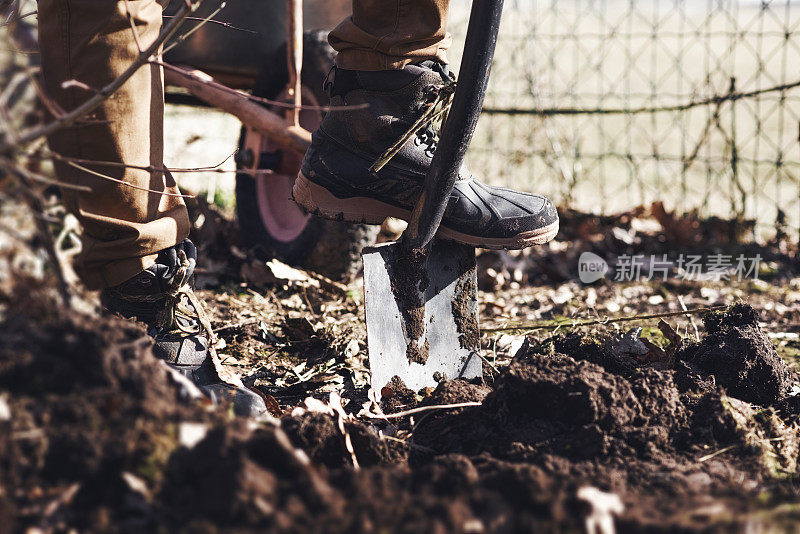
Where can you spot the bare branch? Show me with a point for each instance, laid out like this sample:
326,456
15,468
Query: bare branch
207,79
421,409
17,19
50,155
34,201
92,103
123,182
36,177
52,106
182,38
606,320
149,168
218,22
78,84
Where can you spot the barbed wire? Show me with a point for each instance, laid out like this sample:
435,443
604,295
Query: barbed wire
713,100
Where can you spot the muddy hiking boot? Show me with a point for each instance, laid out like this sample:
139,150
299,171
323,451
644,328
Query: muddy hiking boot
162,298
369,162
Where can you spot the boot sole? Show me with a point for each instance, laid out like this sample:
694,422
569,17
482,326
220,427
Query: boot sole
319,201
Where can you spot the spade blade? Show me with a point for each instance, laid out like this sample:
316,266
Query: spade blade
422,314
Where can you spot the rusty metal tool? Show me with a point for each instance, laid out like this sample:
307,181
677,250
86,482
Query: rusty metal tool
294,57
421,292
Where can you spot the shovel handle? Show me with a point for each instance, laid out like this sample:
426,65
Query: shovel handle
294,56
476,63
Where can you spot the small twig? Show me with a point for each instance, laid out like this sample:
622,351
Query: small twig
208,80
606,320
182,38
691,319
13,85
63,499
33,433
331,285
17,19
36,177
714,454
407,443
133,26
123,182
68,84
335,402
308,302
235,326
48,155
51,105
421,409
149,168
487,362
218,22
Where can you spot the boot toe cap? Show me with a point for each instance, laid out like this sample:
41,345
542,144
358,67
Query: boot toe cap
536,214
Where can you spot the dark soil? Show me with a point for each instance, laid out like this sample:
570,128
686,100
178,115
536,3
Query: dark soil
409,278
395,396
465,311
741,358
88,402
94,442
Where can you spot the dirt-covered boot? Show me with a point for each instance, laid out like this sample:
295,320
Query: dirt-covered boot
162,298
369,161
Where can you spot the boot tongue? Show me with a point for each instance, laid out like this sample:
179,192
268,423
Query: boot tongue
443,69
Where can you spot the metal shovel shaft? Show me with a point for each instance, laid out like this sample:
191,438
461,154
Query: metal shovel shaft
476,63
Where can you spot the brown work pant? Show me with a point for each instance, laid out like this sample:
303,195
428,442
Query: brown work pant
91,41
123,227
389,34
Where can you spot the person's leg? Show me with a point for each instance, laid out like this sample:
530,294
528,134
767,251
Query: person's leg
123,228
389,70
389,34
135,242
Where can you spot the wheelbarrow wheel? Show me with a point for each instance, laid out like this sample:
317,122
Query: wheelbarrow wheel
271,224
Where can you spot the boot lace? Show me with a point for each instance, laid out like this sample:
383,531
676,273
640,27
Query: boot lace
183,313
426,128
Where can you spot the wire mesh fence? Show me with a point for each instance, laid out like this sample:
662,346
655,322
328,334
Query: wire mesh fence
609,104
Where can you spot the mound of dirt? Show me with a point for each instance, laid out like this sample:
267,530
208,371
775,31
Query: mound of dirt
87,402
594,347
319,437
740,357
395,396
586,415
556,404
238,475
239,478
